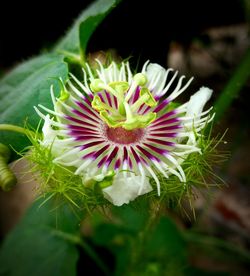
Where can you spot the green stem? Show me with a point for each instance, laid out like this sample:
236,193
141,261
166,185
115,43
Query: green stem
233,87
13,128
72,58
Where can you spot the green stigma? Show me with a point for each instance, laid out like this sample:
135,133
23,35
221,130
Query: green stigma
125,115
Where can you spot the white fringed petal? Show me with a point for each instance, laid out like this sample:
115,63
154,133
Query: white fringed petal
194,109
156,75
49,134
126,189
198,101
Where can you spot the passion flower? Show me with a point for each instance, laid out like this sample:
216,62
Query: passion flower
124,125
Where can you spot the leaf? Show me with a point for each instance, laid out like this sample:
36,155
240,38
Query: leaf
77,37
25,87
132,218
166,241
41,244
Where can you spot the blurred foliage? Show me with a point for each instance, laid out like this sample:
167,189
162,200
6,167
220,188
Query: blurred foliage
47,242
39,244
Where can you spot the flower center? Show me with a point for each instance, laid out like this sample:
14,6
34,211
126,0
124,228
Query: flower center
122,136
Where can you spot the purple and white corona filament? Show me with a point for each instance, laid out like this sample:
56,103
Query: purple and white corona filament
122,124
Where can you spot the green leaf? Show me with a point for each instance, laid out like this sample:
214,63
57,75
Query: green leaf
26,87
166,241
42,244
76,40
132,218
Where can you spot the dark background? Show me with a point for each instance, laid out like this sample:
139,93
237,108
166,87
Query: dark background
135,28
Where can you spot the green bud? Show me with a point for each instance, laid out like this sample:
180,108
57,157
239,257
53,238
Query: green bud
7,178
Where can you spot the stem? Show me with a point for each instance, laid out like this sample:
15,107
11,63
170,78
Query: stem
233,87
72,57
13,128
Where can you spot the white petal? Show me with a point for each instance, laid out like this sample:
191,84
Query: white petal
125,189
198,101
156,75
49,134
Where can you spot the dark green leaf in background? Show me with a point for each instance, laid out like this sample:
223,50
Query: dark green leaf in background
77,38
39,245
25,87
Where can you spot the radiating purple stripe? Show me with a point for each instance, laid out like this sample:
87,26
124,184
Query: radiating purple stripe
91,144
163,117
166,128
101,97
161,142
148,107
146,110
84,138
144,161
111,156
117,164
81,129
84,134
140,108
109,98
116,102
89,155
91,96
102,161
157,150
77,128
164,134
77,112
136,94
70,118
100,151
82,106
86,100
125,154
148,154
161,105
130,164
166,123
137,159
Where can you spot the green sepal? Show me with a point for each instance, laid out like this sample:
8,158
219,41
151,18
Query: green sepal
105,182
